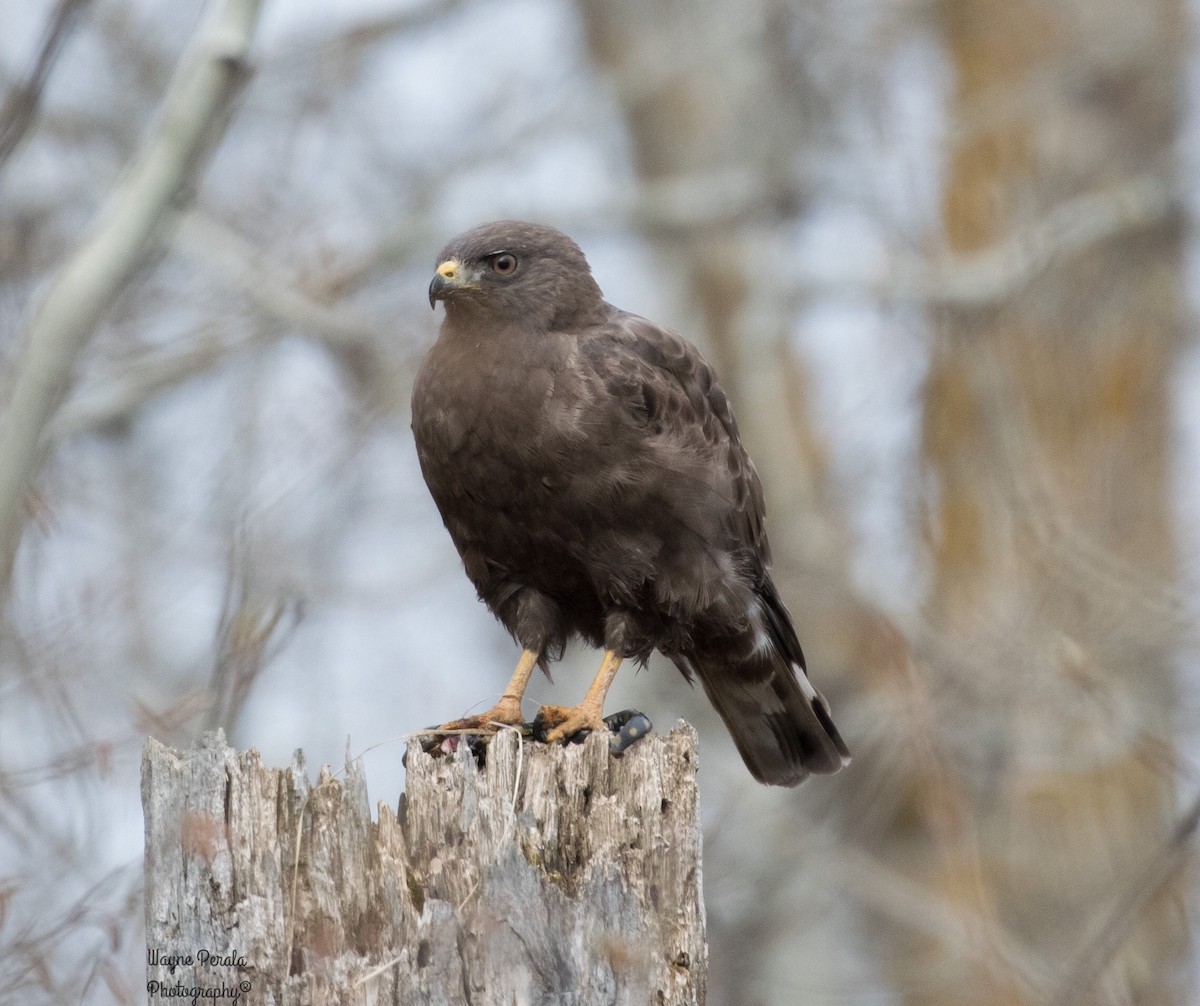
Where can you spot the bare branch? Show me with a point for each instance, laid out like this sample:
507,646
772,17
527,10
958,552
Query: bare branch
234,259
349,46
102,402
19,110
1079,984
906,904
193,115
223,250
1068,229
987,277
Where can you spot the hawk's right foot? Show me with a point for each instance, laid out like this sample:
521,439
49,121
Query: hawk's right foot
446,738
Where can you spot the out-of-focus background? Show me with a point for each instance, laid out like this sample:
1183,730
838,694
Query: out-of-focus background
941,254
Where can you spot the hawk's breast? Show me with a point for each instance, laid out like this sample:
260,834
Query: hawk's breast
496,426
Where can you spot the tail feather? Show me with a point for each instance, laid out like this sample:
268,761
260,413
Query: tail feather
783,730
780,723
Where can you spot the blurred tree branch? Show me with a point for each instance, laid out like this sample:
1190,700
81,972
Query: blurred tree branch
223,250
103,401
347,48
1075,226
254,626
193,116
19,110
977,279
1078,987
237,261
1046,434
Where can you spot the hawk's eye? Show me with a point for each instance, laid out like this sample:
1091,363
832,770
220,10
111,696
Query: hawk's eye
504,264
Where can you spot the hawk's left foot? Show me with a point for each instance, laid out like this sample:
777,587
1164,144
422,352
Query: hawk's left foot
573,723
557,723
567,723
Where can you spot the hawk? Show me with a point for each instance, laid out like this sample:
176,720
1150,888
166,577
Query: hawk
589,470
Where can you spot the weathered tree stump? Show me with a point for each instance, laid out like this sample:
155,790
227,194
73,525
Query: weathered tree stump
552,875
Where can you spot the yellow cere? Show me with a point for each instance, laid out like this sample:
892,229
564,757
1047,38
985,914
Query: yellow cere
448,269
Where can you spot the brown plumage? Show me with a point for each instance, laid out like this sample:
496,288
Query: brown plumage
588,468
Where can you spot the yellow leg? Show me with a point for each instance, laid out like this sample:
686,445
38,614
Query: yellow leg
589,714
514,691
508,709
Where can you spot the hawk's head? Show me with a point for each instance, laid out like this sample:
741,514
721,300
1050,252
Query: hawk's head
510,270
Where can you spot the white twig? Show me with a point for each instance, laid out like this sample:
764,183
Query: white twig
193,115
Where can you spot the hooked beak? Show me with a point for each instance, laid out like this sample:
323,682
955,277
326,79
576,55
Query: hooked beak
447,278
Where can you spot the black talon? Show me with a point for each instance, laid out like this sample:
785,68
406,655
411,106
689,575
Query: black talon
539,730
431,742
628,727
439,744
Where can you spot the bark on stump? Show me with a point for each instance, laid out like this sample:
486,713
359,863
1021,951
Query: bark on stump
553,875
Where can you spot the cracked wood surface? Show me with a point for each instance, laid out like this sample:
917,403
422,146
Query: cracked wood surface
553,875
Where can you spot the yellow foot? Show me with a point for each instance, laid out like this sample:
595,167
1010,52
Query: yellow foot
560,723
471,729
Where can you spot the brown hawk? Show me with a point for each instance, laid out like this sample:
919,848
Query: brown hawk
588,468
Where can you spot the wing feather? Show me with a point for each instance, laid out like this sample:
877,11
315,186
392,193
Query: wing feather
667,388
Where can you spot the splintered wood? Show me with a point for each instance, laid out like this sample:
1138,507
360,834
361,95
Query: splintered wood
553,875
